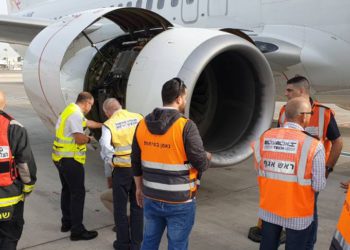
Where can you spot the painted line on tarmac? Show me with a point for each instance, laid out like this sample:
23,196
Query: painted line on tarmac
345,154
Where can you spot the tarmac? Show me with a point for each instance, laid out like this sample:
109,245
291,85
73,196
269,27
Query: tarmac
227,203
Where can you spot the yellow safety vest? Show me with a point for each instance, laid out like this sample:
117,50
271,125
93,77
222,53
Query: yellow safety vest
65,147
122,125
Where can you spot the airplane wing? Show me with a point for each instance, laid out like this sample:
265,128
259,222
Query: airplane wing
20,30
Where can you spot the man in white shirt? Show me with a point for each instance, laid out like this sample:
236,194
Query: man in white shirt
69,155
117,135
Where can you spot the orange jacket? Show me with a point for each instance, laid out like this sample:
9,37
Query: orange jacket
342,234
318,124
8,171
284,164
167,175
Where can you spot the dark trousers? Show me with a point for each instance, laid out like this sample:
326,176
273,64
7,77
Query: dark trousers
335,245
72,177
11,231
296,239
313,234
129,236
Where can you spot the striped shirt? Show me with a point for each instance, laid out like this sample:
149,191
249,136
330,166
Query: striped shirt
318,183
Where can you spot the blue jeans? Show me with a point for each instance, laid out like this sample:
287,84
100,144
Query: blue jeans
314,225
177,218
296,239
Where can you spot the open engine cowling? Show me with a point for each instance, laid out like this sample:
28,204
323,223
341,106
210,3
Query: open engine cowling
230,84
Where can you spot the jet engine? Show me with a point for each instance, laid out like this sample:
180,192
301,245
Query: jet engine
129,53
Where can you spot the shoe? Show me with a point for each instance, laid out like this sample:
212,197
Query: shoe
255,234
84,235
65,228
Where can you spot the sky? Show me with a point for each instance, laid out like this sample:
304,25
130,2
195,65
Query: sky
3,7
3,46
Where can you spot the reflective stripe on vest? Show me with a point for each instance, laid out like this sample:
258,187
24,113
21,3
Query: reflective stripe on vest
63,146
69,154
167,175
342,235
122,125
62,141
10,201
8,172
341,241
167,187
284,161
120,149
282,119
117,161
166,167
321,122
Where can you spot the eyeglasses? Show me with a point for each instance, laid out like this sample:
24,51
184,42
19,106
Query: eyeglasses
181,84
307,113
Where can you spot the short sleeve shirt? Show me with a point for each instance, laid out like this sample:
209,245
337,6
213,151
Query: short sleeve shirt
73,123
332,130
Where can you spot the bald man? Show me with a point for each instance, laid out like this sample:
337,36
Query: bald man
117,135
323,125
17,176
291,168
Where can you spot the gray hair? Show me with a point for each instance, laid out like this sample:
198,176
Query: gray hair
110,105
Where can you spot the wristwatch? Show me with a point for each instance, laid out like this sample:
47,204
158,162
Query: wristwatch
329,169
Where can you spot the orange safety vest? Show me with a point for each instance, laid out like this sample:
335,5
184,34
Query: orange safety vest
283,159
342,234
167,174
318,124
8,172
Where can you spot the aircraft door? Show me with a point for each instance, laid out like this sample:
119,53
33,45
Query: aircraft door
189,11
217,7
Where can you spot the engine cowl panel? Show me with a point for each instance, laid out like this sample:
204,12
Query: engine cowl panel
230,84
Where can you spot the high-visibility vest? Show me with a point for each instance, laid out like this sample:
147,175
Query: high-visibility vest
167,174
122,125
9,193
283,159
342,234
318,124
65,146
8,172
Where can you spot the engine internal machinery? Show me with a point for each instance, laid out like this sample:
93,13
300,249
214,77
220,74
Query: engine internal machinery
109,70
229,82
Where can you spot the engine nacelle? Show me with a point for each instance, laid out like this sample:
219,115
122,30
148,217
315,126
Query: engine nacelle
230,85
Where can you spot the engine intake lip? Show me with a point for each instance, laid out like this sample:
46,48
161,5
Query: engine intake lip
241,103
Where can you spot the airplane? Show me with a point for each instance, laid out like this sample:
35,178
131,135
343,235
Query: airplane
234,56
